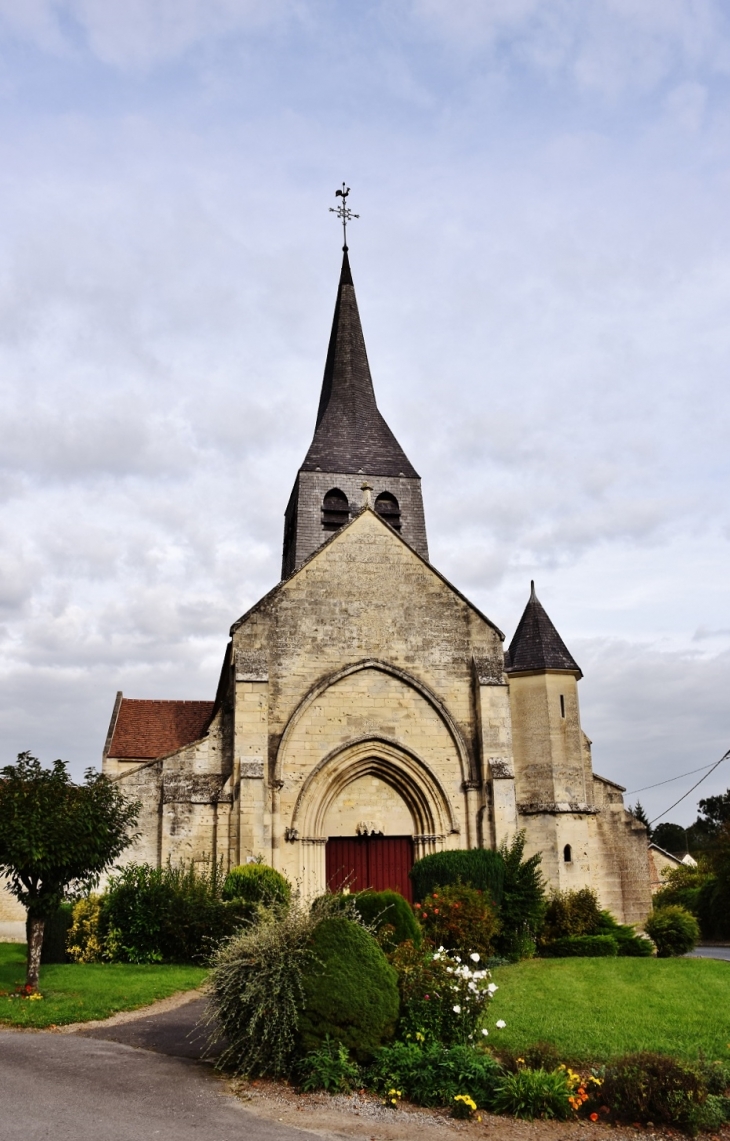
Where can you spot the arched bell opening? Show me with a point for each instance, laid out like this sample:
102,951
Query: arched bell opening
388,507
335,510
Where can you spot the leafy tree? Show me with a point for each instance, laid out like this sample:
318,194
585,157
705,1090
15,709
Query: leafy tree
55,834
715,811
671,837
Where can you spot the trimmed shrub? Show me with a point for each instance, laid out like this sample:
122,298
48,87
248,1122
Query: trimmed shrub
435,1074
522,910
673,930
481,868
585,946
653,1087
389,915
458,918
257,883
350,991
257,991
534,1093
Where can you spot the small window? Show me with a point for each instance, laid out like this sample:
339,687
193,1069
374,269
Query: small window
335,510
387,506
568,854
562,705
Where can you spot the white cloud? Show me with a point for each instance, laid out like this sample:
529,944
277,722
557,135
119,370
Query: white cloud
609,46
136,33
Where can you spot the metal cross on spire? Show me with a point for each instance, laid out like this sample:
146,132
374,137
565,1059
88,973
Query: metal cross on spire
343,211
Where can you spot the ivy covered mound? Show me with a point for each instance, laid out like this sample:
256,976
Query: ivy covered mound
351,994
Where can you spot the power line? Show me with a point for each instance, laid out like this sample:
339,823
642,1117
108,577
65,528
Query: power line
670,779
689,790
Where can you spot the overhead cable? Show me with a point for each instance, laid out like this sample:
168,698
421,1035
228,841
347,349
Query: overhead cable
689,790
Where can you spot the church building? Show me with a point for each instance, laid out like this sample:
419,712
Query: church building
367,712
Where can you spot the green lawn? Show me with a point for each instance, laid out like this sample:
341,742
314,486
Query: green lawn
79,992
595,1009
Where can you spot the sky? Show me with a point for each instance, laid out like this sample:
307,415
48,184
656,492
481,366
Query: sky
542,266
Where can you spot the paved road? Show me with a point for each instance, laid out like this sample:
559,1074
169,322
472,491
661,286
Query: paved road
66,1087
179,1033
705,952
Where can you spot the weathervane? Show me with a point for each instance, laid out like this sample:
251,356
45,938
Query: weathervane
343,211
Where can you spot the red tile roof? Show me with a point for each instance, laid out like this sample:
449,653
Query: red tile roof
148,729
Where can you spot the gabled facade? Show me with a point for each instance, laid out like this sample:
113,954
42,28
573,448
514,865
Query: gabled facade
366,712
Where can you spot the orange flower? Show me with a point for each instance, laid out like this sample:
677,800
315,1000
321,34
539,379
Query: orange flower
593,1117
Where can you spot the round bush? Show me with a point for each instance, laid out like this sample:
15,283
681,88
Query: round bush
383,910
673,930
458,918
257,883
350,990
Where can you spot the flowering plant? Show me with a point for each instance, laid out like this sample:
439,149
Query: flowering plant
460,918
443,995
464,1106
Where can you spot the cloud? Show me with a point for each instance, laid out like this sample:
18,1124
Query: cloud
654,714
135,34
611,47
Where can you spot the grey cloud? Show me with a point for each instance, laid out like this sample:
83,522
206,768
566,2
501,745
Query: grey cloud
654,714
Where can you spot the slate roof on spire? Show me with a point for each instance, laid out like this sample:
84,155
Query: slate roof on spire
536,644
351,436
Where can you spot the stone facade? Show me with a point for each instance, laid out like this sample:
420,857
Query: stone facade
364,696
366,693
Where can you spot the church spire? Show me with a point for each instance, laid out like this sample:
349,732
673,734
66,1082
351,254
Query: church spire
350,435
351,440
536,644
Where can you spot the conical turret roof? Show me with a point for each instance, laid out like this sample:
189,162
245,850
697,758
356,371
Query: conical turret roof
536,644
351,436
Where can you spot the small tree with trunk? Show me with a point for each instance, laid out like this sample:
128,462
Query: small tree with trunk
56,835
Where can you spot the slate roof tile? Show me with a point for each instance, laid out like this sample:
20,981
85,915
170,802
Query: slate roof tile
351,435
536,644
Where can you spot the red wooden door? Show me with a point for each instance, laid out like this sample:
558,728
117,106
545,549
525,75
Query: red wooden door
379,862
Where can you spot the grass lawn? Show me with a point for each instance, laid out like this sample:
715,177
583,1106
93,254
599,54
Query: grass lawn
79,992
595,1009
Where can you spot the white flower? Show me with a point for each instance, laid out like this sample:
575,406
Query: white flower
500,1024
456,1009
457,958
484,1032
492,987
474,957
441,951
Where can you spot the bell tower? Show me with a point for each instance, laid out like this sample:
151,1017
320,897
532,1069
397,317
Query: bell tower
351,444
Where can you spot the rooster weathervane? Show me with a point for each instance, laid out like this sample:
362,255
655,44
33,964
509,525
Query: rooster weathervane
343,211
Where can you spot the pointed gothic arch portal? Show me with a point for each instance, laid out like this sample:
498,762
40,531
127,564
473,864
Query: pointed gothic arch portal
382,854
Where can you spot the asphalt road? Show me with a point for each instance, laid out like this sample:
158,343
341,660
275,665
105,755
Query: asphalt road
707,952
56,1087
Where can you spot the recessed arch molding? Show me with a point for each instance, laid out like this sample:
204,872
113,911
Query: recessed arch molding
468,772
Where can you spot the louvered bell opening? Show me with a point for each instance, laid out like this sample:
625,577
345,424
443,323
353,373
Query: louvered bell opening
335,510
387,506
